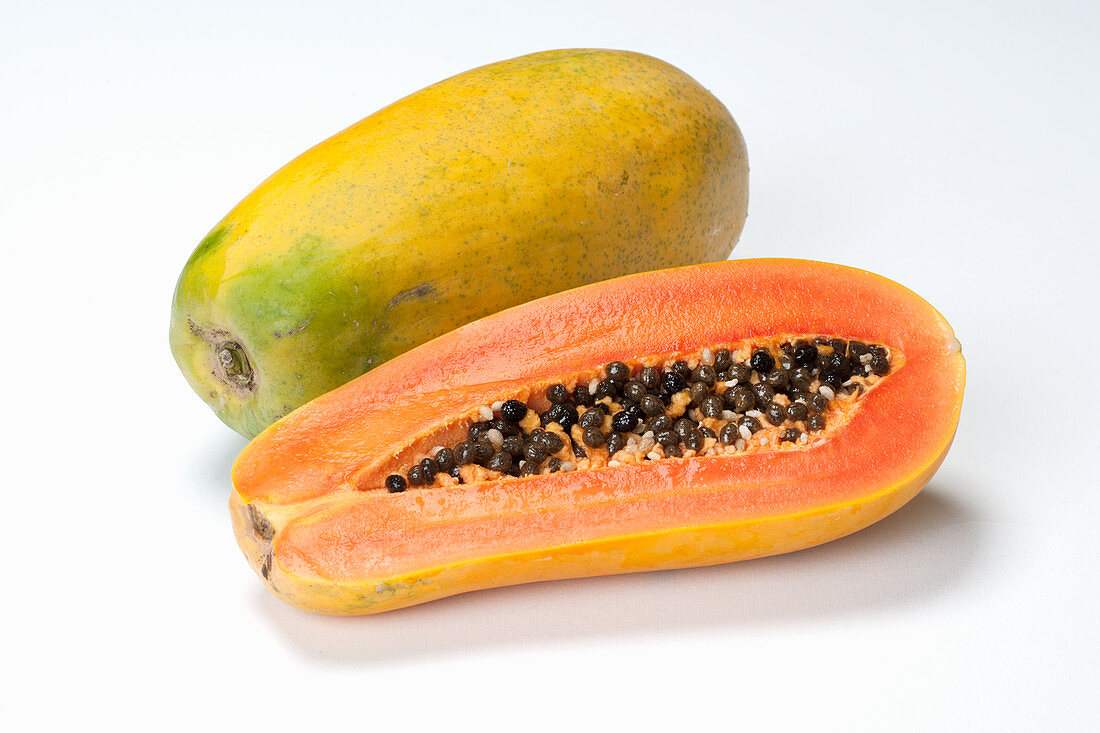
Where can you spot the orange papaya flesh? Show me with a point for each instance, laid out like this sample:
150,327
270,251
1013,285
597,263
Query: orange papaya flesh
311,513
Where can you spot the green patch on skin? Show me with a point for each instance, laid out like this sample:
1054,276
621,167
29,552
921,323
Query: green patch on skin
209,242
308,287
310,318
307,315
203,272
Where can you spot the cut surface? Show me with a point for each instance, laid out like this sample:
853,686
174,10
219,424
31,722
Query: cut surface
344,537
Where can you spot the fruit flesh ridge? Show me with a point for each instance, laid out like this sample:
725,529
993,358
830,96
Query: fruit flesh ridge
662,549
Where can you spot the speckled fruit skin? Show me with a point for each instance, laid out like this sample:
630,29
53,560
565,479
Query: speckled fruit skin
311,515
488,189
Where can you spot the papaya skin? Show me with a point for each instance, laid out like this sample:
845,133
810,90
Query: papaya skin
486,190
311,516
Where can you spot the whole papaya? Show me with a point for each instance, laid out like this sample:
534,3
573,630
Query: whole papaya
494,187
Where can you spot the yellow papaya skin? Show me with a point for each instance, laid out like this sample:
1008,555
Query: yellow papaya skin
494,187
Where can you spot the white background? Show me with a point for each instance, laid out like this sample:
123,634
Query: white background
951,146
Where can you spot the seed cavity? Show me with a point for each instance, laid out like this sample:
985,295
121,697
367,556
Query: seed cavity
722,400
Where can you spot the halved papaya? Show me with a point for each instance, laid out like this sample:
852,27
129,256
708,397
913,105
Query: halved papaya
677,418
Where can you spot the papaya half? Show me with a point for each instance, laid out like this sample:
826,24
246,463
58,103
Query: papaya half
685,417
488,189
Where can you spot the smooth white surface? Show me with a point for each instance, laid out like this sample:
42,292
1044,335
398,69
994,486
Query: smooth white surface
950,146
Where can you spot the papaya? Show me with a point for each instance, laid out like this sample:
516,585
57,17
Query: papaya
667,419
494,187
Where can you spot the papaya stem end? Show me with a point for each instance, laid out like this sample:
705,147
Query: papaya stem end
233,364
